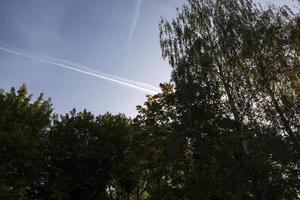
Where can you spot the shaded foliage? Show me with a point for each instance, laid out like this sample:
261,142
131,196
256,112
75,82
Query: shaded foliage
22,124
234,69
84,153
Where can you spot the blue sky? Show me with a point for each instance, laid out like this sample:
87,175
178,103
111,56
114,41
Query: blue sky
106,35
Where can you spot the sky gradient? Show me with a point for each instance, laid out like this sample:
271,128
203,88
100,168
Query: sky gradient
116,37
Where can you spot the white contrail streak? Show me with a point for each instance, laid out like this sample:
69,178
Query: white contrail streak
76,65
145,85
85,70
134,22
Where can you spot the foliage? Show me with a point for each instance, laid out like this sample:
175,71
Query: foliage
75,156
233,67
84,155
22,124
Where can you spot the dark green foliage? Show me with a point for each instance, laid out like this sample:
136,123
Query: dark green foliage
22,124
84,153
234,67
76,156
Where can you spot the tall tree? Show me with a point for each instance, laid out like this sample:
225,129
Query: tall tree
231,60
23,123
159,148
85,157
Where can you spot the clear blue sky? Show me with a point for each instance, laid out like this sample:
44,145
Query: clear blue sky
101,34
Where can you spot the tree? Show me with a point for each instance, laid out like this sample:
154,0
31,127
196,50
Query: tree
22,125
85,157
159,148
231,62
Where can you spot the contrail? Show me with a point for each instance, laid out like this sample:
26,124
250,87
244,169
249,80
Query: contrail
75,67
134,22
145,85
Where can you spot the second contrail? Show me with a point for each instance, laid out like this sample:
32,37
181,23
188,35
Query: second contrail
77,69
134,21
